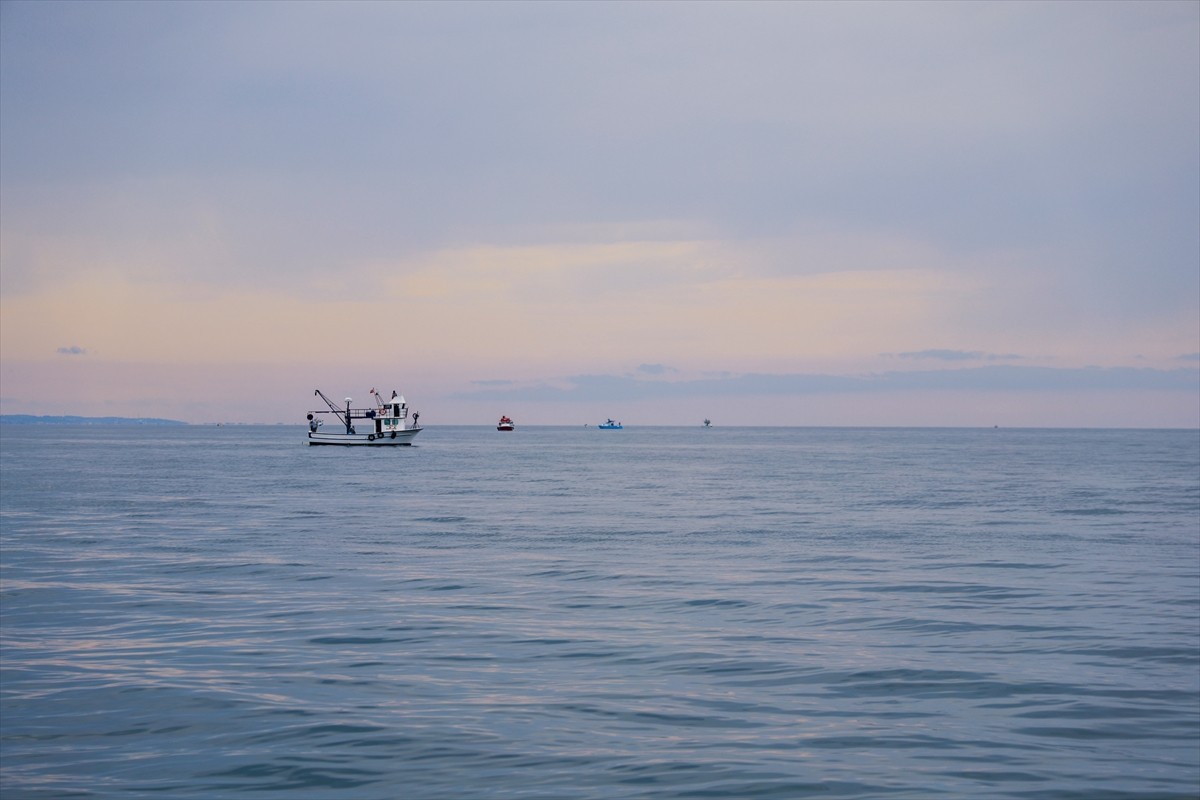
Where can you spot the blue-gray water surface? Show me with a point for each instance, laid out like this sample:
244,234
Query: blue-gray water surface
223,612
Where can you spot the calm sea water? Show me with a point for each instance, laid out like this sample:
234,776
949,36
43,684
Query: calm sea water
202,612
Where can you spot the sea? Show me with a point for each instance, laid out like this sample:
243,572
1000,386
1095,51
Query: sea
573,613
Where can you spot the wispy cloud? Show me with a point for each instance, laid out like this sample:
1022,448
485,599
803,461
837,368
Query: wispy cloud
1000,378
955,355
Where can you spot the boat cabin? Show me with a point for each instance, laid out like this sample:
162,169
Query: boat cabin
391,416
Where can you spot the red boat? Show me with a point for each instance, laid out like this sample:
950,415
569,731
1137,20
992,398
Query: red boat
505,424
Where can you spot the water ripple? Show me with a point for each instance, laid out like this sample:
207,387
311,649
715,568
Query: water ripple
850,614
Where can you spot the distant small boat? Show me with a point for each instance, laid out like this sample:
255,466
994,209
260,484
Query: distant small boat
610,426
387,424
707,423
505,424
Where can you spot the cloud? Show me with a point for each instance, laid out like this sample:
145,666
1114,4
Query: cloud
654,369
955,355
623,388
956,124
73,350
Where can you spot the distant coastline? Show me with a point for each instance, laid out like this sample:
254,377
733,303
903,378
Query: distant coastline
30,419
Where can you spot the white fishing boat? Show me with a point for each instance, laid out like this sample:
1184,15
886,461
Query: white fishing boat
505,424
388,423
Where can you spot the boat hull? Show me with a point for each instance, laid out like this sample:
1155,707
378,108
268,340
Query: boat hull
504,427
391,439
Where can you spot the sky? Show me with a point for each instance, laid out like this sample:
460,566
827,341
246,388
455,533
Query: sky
763,213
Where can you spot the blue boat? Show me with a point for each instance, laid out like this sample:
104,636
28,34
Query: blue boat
610,426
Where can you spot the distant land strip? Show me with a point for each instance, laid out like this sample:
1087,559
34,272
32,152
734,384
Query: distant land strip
30,419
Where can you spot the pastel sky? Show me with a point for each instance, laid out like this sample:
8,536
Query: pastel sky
794,213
